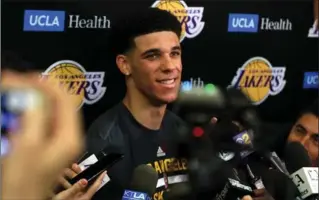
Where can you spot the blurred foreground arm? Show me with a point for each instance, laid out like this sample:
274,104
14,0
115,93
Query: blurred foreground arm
49,139
260,194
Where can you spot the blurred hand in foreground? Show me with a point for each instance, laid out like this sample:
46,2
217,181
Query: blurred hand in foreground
48,140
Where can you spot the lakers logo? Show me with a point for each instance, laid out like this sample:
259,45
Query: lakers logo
189,17
258,79
83,87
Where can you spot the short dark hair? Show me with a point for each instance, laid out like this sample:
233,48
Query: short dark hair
311,109
141,22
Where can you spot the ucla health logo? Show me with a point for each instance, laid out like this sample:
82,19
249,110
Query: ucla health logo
243,23
253,22
310,80
44,20
192,83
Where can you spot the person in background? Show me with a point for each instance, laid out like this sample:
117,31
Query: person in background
38,154
306,131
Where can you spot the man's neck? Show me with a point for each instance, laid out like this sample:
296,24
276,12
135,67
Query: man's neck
144,112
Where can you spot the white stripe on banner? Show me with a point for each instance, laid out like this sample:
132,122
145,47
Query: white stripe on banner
172,179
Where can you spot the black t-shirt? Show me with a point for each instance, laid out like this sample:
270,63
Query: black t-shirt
140,145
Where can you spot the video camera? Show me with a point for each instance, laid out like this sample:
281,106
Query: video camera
200,141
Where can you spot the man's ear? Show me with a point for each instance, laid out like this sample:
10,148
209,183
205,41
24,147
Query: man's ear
123,64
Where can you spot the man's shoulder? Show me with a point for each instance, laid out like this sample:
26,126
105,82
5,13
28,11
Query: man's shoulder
104,131
105,121
173,119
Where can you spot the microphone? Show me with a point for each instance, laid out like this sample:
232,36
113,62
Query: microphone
255,180
226,184
303,176
276,162
234,189
143,184
247,138
179,191
206,169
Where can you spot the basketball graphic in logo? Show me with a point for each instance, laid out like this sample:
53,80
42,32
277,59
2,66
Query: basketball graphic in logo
83,87
258,79
189,17
178,8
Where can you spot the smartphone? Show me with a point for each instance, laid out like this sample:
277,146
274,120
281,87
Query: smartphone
13,104
92,172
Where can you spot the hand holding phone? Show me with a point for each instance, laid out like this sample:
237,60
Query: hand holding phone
80,190
92,166
31,166
93,171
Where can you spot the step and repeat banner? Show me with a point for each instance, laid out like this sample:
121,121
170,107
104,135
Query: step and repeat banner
269,50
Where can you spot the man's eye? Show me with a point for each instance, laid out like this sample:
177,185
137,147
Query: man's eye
175,53
152,56
300,130
315,139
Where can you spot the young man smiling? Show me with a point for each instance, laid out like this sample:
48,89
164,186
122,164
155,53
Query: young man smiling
147,52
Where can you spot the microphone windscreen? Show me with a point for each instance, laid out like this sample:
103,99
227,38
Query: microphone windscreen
144,179
296,157
221,134
177,191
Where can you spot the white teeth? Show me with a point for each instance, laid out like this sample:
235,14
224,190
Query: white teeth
170,81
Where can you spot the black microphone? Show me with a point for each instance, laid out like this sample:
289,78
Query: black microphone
225,185
143,184
303,175
179,191
256,181
275,161
234,188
